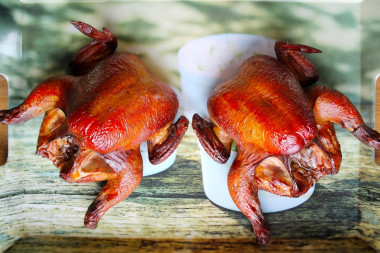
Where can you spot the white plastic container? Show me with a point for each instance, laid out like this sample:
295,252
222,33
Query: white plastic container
204,63
151,169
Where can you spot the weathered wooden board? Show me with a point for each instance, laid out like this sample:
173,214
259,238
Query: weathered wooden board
3,129
369,187
34,201
77,244
377,115
171,207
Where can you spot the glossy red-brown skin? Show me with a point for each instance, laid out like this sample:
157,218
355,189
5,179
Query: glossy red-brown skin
103,46
321,157
330,105
264,106
265,111
47,95
302,69
285,137
119,104
244,192
97,118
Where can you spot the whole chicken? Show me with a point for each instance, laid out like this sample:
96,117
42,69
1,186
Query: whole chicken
97,118
282,127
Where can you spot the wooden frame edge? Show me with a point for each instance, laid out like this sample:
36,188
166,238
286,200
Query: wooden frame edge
3,128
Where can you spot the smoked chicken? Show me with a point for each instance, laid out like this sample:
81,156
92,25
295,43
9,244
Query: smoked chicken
282,127
97,118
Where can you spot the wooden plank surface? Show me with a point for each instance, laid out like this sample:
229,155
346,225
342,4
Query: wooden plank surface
3,129
75,244
369,187
34,201
377,115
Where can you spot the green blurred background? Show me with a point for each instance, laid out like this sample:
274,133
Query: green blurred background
37,41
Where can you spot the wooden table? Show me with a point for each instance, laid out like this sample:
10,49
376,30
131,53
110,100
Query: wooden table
377,115
169,212
3,129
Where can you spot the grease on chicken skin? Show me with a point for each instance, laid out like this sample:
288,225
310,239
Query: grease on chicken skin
97,118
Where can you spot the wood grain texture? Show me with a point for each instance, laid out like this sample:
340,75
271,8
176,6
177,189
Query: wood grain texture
377,115
3,129
369,199
34,201
77,244
369,187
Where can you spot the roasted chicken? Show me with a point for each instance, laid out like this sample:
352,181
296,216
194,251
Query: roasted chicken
282,127
97,118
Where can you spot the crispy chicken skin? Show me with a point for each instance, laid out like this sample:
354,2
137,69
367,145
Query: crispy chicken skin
97,117
282,126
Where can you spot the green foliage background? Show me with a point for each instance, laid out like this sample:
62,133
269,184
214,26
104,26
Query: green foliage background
156,30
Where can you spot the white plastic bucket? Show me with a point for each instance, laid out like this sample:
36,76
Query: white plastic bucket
204,63
151,169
